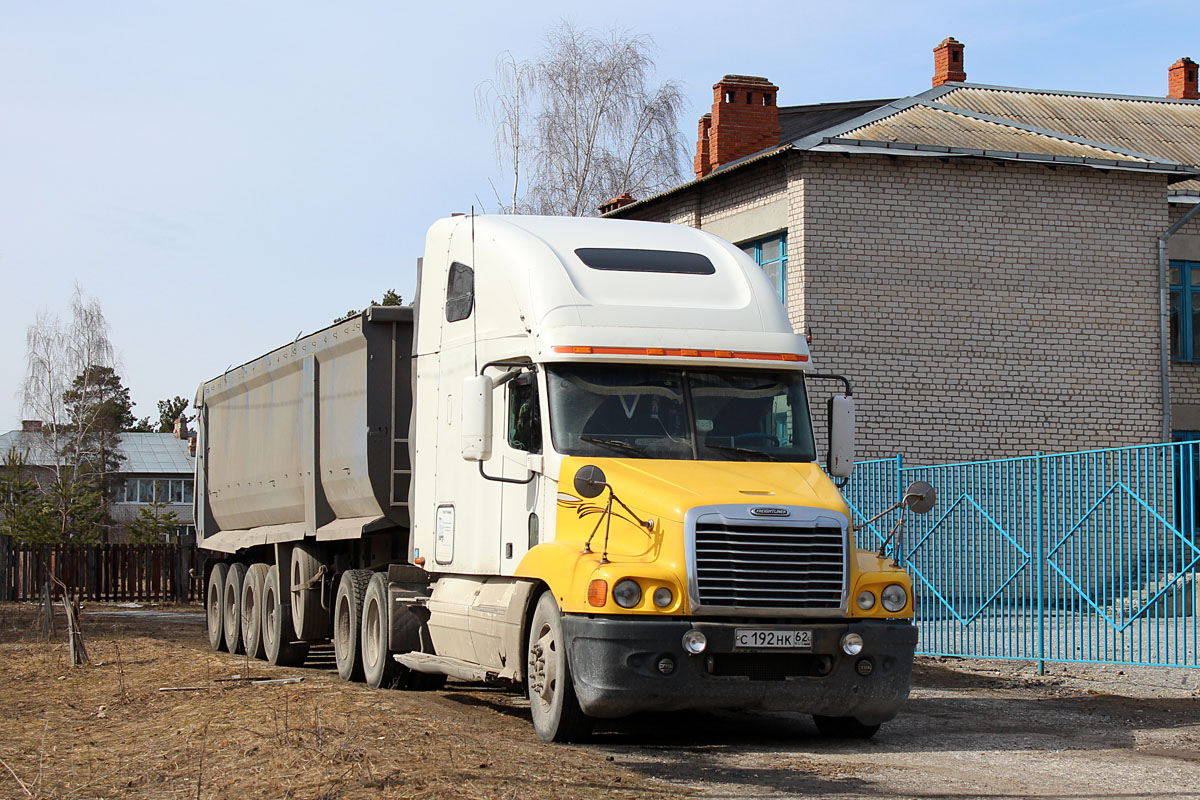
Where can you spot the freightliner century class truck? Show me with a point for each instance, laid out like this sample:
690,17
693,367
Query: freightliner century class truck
581,463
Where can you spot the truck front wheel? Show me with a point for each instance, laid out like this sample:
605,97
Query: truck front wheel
557,716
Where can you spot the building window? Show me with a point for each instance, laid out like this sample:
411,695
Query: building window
1184,279
771,255
146,490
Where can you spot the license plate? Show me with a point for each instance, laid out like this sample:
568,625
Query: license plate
772,639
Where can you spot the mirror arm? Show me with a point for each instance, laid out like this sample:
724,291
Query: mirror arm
833,377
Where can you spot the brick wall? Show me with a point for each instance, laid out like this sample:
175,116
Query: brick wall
985,310
982,310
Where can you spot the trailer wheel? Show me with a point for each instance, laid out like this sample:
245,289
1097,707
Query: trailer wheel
309,618
214,605
557,716
232,619
379,668
347,622
252,590
844,727
277,625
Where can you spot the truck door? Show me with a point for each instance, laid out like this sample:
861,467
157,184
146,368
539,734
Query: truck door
521,446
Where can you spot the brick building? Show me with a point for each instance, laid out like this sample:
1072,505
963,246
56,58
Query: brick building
982,261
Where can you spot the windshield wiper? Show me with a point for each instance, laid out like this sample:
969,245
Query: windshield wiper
613,443
742,450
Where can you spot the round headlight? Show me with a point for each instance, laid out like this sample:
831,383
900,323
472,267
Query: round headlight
894,597
852,644
663,597
627,593
694,642
866,599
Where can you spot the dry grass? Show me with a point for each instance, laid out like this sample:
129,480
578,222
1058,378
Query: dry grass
105,730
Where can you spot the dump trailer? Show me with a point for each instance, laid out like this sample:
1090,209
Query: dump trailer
581,464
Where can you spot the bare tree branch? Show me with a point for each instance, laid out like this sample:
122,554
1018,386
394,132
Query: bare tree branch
600,127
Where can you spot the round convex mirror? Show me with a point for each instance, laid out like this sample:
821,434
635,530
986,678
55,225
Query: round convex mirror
589,481
920,497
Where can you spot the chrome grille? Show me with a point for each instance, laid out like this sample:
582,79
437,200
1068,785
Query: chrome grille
770,565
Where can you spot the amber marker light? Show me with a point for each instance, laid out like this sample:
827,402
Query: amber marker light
685,352
598,593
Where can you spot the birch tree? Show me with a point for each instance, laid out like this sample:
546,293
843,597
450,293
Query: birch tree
69,365
585,122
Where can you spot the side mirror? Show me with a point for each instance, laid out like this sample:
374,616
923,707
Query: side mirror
841,436
477,418
920,497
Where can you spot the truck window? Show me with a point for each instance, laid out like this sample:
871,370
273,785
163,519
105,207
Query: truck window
630,260
524,415
460,292
639,411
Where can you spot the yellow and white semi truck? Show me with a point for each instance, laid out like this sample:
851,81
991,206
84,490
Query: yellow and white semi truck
582,463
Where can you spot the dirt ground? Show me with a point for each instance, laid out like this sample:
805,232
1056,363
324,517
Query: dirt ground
971,730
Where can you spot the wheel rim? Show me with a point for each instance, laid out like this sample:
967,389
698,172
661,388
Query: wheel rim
214,606
269,618
371,625
231,603
343,625
248,608
543,665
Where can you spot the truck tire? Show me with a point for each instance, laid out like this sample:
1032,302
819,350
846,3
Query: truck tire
557,716
379,668
252,590
309,618
214,605
844,727
232,619
277,625
347,623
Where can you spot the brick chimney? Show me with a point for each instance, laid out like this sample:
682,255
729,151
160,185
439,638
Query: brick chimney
948,62
1181,80
31,426
701,161
744,120
192,445
181,428
619,201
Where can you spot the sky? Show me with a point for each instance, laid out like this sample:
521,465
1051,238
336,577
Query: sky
224,176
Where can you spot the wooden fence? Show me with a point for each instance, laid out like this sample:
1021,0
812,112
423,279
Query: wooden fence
109,572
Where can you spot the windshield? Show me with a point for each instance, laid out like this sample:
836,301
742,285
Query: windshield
709,414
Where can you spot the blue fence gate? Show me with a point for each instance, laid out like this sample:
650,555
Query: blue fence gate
1084,557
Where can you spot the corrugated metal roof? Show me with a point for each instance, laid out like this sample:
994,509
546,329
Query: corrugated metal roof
796,122
145,453
1167,129
922,124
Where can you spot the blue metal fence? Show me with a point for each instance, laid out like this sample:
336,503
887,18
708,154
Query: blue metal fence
1083,557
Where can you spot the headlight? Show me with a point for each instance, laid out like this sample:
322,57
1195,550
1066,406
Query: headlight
894,597
852,644
866,599
663,597
627,593
694,642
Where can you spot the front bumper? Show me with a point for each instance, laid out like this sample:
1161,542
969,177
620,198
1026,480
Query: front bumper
615,668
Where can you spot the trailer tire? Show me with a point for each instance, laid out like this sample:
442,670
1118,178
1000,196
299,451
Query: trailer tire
379,668
347,623
553,704
232,619
252,592
277,625
309,618
214,605
844,727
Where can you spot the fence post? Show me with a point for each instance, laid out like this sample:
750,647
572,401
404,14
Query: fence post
1040,530
5,585
897,553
